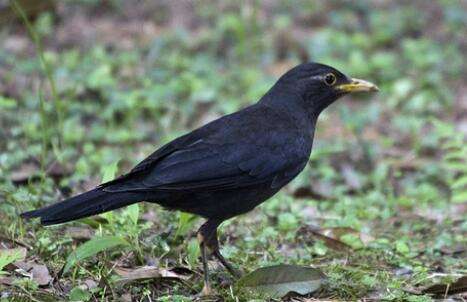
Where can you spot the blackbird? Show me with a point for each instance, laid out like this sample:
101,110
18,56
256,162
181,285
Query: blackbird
228,166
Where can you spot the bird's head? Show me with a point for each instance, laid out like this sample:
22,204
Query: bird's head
320,85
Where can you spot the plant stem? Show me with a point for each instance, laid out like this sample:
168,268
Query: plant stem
46,67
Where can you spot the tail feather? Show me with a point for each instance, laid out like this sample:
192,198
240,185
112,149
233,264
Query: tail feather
86,204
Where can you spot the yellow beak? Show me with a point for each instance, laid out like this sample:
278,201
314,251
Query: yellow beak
357,85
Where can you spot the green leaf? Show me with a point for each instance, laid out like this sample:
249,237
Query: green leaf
186,222
133,212
7,103
456,155
287,221
353,240
79,294
455,166
8,256
402,247
460,182
193,252
459,197
91,248
109,171
277,281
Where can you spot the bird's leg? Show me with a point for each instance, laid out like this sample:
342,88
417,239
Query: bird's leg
206,291
205,234
226,264
211,242
207,237
213,245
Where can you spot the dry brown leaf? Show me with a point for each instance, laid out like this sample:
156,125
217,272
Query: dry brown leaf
331,242
308,192
58,170
79,233
126,297
7,280
338,232
38,272
90,284
24,172
146,272
30,171
453,250
459,286
332,237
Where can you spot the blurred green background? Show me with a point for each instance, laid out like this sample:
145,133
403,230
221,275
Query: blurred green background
89,88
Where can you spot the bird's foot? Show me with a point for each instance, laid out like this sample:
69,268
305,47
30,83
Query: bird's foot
207,294
233,271
207,290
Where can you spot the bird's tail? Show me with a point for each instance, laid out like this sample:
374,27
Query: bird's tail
86,204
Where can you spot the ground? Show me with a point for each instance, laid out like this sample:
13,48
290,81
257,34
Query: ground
88,89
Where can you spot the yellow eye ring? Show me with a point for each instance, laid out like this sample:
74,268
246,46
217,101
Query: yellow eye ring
330,79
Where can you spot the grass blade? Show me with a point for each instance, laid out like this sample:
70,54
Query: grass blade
91,248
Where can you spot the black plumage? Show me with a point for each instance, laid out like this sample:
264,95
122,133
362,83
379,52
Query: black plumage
229,166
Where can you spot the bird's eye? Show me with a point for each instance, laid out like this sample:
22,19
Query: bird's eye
330,79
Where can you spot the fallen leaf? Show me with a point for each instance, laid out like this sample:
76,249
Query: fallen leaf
38,272
30,171
58,170
79,233
308,192
146,272
90,284
340,234
331,242
403,271
454,250
335,237
126,297
459,286
7,281
279,280
23,173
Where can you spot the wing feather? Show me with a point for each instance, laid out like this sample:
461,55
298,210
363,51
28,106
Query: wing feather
221,155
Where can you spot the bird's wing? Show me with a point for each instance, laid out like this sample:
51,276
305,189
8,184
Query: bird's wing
231,158
207,166
149,162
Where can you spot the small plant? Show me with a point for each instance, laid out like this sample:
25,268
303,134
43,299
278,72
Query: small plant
454,159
